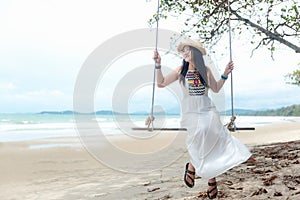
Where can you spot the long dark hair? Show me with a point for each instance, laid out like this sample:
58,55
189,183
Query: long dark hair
199,65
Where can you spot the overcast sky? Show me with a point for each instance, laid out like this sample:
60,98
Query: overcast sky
44,43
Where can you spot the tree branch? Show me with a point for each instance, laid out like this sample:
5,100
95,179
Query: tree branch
271,35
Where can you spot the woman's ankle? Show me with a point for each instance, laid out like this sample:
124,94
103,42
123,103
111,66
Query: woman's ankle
212,180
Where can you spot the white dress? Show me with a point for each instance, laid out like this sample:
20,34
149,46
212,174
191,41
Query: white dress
212,148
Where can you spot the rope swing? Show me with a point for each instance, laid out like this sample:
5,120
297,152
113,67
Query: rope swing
151,118
231,125
149,121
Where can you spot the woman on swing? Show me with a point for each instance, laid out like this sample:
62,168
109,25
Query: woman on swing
212,149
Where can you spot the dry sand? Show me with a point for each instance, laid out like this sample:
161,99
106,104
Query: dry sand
70,172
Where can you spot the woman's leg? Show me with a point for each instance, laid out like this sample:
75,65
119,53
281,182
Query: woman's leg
212,190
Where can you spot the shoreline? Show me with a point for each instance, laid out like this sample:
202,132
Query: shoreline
259,136
71,172
41,131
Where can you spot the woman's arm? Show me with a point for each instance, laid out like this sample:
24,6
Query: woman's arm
163,81
170,78
217,85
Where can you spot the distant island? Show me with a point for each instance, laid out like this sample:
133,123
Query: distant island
70,112
293,110
101,112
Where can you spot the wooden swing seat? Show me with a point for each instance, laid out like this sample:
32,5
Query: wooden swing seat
158,129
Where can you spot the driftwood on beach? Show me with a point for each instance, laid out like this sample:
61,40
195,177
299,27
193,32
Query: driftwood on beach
276,173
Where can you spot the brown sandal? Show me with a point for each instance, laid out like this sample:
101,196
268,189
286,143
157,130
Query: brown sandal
187,173
213,189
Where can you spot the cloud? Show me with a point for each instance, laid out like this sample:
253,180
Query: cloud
41,57
35,101
8,86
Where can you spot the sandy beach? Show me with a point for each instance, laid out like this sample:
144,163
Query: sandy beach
71,172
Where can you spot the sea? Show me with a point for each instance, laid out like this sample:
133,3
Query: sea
34,126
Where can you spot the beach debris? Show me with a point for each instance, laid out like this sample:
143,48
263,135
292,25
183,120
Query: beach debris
269,181
167,196
290,180
296,162
241,179
238,188
146,183
275,174
258,171
259,192
228,183
222,195
290,187
277,194
100,195
268,171
284,164
292,156
251,162
202,195
153,189
296,193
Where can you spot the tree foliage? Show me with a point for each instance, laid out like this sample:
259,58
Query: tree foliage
268,22
294,77
293,110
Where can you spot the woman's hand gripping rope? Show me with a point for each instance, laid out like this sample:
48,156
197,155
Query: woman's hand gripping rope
156,58
149,120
